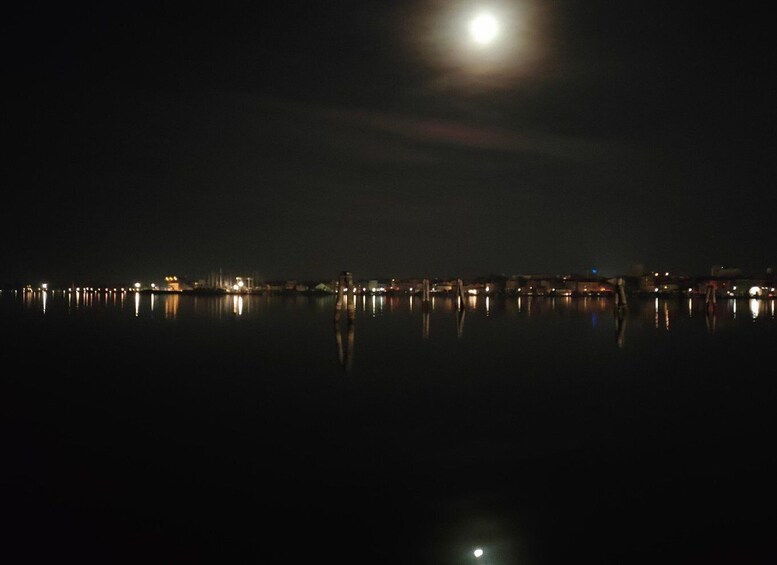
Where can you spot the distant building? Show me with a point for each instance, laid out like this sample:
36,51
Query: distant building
588,286
275,286
721,271
376,286
323,287
407,285
176,284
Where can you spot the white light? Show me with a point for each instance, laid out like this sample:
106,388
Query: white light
240,284
44,286
483,28
755,307
478,552
754,291
137,285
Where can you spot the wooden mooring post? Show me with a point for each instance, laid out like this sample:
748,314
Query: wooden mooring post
350,296
340,296
710,297
461,298
425,292
620,293
346,298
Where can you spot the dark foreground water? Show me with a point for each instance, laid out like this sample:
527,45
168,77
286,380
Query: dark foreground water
175,429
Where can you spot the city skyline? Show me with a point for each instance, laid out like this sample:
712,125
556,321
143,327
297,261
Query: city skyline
253,279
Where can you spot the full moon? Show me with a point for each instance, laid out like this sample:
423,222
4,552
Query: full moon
483,28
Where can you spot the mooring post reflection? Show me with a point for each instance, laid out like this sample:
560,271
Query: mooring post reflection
709,318
346,298
345,354
460,322
425,319
620,326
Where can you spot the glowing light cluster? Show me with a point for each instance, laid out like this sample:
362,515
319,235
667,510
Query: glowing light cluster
484,28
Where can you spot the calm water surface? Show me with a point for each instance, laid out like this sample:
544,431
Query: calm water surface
180,429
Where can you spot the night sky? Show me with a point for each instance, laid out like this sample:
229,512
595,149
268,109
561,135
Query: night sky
299,139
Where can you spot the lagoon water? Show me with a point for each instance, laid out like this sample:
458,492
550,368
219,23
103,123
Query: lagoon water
181,429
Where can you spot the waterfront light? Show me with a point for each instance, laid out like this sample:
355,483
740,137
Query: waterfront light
478,552
754,291
137,285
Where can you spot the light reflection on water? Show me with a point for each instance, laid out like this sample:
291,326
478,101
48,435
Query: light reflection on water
658,313
755,307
